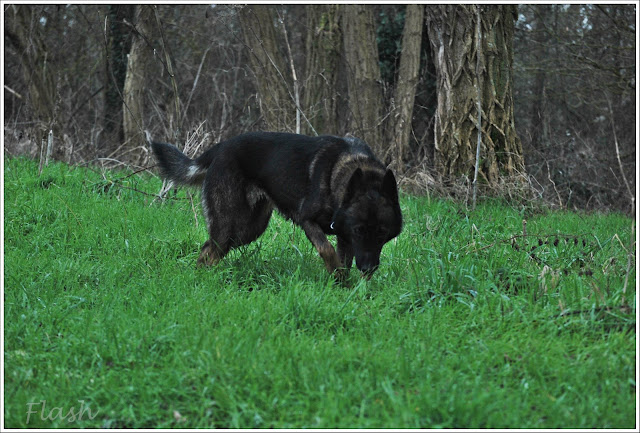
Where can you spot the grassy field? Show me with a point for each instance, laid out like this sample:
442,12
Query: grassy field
467,324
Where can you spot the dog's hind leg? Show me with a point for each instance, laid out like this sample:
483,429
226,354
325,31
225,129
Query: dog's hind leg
211,254
251,221
236,211
246,229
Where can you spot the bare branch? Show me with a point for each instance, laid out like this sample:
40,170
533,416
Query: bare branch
632,197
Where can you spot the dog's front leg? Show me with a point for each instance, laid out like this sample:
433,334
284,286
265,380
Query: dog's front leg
345,253
325,249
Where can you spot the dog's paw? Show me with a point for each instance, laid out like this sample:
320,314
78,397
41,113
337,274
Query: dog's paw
341,276
208,256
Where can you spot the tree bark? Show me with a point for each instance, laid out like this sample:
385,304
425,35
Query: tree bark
405,92
452,36
269,67
323,48
363,75
138,64
118,46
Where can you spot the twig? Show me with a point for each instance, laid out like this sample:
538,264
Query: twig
191,145
85,101
176,97
554,185
70,210
479,103
49,147
16,94
284,81
296,88
42,145
138,167
615,142
164,189
193,88
117,182
193,208
623,309
144,192
136,172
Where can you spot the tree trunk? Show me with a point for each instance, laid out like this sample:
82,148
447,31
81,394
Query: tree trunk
323,48
363,75
405,92
269,67
24,31
119,44
452,33
138,64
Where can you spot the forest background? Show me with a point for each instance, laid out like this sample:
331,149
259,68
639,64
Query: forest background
97,76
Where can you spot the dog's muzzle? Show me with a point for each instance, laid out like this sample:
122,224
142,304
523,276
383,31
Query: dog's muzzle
368,265
368,273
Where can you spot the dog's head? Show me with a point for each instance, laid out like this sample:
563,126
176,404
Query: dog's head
369,216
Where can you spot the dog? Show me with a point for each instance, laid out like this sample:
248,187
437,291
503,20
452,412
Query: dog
327,185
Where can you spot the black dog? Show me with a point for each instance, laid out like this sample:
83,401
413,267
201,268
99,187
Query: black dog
327,185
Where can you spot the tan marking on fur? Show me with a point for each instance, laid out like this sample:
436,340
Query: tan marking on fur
205,210
312,166
344,168
330,257
345,162
208,256
254,195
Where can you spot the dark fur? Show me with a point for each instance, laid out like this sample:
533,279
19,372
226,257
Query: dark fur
327,185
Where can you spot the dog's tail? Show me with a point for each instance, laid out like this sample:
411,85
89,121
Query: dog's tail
178,167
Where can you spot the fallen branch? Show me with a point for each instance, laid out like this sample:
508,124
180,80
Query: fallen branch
514,237
623,309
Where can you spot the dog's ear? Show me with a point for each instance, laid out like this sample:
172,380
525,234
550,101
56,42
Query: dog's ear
390,187
355,183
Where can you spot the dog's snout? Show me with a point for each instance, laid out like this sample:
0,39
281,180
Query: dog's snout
368,264
368,273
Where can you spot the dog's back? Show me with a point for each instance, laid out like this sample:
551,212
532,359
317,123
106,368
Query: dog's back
283,164
256,152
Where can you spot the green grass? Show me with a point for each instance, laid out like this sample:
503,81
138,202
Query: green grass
459,328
